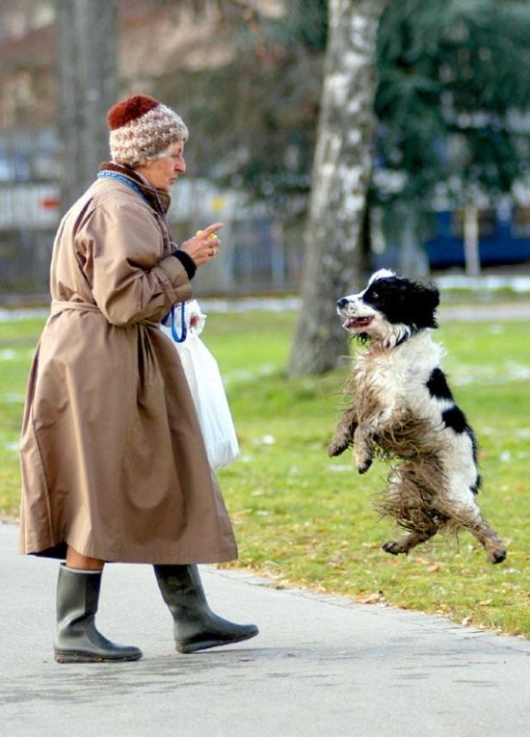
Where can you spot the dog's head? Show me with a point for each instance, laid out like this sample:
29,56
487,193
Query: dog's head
390,310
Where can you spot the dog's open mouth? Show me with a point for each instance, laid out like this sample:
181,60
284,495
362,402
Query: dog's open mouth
357,323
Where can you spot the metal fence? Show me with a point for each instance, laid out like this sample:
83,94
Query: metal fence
257,254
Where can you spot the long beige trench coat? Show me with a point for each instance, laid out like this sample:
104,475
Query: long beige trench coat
113,461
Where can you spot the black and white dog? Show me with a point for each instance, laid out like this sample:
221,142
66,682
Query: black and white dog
403,410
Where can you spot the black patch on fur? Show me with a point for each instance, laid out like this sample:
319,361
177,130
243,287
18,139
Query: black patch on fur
455,419
474,446
476,486
403,301
438,386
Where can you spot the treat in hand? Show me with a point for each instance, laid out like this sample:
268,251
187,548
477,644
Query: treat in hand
212,235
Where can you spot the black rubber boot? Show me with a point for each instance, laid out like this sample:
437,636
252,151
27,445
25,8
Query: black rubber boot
196,627
77,639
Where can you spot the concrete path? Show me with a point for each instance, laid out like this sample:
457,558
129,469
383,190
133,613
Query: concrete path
484,312
322,666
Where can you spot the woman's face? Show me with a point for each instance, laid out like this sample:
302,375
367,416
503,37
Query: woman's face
163,171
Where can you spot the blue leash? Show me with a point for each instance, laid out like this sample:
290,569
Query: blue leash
105,174
183,329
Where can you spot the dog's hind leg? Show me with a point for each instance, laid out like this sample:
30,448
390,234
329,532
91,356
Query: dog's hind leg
462,509
410,540
409,501
486,536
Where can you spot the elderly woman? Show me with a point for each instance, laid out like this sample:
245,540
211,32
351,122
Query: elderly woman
114,466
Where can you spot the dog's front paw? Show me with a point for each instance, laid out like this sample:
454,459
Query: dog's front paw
363,450
365,467
337,446
363,460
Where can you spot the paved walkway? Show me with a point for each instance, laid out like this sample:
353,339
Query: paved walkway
321,667
484,311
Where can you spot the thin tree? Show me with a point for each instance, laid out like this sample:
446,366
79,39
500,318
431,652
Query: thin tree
87,71
341,177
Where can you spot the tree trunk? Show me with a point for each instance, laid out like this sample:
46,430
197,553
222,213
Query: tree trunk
341,175
471,247
87,70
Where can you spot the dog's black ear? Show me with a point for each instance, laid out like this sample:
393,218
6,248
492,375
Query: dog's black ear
427,299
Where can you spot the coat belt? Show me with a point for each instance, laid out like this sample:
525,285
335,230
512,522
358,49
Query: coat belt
58,306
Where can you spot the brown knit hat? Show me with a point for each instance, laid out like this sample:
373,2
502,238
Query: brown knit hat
141,127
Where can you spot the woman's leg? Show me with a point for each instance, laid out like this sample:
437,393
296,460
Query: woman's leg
77,638
196,627
82,562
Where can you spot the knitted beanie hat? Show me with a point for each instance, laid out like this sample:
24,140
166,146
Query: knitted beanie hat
141,127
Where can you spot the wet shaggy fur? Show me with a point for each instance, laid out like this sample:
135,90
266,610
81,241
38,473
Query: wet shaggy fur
403,411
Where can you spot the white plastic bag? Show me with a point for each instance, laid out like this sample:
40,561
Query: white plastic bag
207,389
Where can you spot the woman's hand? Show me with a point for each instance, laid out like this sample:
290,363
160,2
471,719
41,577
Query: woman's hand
204,246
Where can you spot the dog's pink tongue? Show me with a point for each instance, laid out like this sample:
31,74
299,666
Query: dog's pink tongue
353,323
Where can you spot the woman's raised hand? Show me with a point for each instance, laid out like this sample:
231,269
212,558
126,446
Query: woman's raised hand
204,246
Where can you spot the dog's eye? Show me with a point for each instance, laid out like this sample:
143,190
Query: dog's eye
375,294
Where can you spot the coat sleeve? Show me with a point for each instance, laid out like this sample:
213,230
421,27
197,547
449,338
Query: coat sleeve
125,256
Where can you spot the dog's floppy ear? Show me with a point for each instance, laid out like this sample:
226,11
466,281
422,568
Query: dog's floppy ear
427,299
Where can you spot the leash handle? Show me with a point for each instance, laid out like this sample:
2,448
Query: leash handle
183,329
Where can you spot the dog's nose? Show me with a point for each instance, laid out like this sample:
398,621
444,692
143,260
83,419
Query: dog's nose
342,302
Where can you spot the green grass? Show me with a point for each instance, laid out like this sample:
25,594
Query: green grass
308,520
17,346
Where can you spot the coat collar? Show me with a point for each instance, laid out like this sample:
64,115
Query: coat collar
158,199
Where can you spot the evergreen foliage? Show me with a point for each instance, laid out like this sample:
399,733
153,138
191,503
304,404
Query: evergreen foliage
453,95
